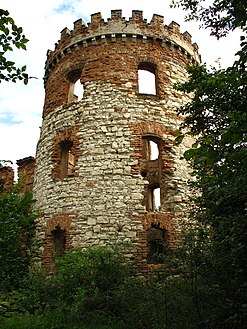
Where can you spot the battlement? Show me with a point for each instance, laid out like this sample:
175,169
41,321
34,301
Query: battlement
99,30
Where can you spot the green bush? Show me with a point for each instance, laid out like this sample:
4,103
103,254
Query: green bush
16,232
49,320
82,286
97,288
156,302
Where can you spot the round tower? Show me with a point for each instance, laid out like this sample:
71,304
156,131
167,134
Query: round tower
107,168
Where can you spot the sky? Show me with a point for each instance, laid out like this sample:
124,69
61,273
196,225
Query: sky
42,21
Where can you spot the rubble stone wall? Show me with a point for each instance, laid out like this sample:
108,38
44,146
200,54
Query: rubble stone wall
102,200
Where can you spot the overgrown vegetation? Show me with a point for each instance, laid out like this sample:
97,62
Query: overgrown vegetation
16,232
98,288
217,117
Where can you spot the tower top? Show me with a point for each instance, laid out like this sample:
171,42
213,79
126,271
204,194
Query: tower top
118,27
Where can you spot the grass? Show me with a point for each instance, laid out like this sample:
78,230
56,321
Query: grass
50,320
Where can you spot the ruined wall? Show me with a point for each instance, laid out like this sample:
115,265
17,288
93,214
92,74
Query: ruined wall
26,167
93,180
25,171
6,178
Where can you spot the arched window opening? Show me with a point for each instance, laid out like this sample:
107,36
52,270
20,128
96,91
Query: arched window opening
150,148
154,198
147,79
58,242
67,163
156,245
154,150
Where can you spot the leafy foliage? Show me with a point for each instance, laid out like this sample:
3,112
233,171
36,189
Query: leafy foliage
97,287
4,163
11,35
218,116
221,16
16,231
216,248
83,284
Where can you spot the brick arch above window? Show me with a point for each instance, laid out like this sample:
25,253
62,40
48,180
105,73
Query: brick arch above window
65,153
150,128
147,63
61,220
57,237
164,221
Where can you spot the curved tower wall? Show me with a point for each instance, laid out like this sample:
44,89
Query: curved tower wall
94,177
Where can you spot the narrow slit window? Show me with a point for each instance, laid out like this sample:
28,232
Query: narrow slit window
67,163
150,148
71,163
58,242
154,198
154,150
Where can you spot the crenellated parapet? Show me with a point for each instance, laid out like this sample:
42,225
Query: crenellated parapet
136,29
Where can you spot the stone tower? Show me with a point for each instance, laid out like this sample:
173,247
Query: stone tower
107,168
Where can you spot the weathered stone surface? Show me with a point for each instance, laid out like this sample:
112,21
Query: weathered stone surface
103,198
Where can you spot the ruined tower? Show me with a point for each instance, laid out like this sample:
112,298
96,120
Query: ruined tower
107,168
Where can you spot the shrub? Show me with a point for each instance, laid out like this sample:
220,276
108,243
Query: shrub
82,286
16,232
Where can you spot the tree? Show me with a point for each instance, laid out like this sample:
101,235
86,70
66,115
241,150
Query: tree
16,232
221,17
11,35
217,117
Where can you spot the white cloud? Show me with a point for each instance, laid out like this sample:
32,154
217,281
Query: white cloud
42,22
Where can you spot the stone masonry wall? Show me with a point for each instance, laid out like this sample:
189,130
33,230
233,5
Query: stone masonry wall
102,201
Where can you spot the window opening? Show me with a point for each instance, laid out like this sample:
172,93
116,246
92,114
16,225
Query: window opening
67,165
78,90
58,242
156,245
71,163
150,148
146,82
150,169
154,150
147,79
154,198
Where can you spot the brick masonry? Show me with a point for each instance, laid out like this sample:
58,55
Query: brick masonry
6,178
25,171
